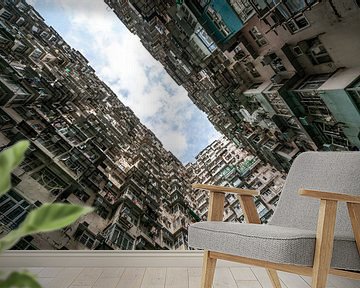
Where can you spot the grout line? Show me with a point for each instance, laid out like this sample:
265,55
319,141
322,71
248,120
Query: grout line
142,278
82,269
166,271
307,281
102,271
255,276
122,272
232,274
188,277
303,280
119,278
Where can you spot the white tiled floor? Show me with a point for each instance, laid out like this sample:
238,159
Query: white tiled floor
143,269
171,277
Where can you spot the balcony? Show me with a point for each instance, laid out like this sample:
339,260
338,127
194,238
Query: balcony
133,199
135,269
109,196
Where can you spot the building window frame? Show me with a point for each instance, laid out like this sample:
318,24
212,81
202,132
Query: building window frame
87,239
297,24
121,239
14,209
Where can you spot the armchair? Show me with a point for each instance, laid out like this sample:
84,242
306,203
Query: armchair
302,237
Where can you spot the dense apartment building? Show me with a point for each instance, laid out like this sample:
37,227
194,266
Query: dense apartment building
223,163
270,75
86,148
279,77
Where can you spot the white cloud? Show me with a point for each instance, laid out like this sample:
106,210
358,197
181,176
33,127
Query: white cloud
174,141
139,80
31,2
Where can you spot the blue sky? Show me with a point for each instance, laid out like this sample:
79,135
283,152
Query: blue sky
124,64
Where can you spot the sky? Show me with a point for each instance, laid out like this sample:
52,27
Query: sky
139,81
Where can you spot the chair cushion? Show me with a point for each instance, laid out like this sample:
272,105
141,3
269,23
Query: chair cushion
270,243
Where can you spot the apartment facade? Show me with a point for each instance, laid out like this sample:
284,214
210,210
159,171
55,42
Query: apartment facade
274,81
87,148
246,65
223,163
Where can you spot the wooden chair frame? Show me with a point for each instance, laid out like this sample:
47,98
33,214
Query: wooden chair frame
324,235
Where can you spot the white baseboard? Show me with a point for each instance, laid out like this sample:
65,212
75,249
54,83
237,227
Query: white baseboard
119,258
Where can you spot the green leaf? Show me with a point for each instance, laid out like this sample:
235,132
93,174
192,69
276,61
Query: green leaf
10,158
10,239
19,280
19,150
5,181
48,217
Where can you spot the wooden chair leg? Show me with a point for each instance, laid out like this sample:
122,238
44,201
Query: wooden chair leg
208,271
354,212
274,278
324,243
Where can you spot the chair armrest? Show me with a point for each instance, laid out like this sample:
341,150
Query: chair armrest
323,195
222,189
217,198
327,214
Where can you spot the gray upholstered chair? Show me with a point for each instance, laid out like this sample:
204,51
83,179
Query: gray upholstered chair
310,233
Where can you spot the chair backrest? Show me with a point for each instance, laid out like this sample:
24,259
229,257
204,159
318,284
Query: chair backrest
325,171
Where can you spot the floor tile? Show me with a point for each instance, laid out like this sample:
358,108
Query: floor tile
242,273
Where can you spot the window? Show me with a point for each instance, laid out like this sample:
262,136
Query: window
3,40
75,161
87,239
19,47
179,241
168,242
121,239
126,214
258,37
30,163
297,24
243,8
24,244
354,93
261,208
355,96
267,192
81,195
205,39
36,54
49,180
13,210
53,143
316,52
101,209
314,82
44,34
6,15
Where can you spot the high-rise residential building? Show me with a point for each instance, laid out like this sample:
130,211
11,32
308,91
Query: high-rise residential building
86,148
270,75
223,163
